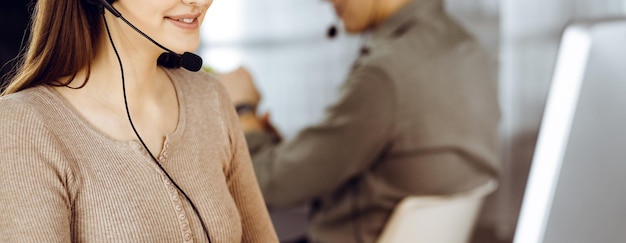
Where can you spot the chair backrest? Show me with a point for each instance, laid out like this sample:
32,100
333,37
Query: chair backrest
439,219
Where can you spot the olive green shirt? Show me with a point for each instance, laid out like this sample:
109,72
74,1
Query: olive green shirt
418,115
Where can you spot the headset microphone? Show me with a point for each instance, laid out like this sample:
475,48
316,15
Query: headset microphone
168,59
331,33
333,29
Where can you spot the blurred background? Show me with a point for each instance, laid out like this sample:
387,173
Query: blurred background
298,70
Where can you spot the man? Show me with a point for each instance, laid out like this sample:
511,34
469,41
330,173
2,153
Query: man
418,115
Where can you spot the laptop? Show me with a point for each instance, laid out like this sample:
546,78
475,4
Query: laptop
576,190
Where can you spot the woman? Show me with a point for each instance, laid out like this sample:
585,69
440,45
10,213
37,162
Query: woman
101,144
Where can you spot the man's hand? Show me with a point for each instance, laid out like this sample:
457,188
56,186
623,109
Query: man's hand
240,87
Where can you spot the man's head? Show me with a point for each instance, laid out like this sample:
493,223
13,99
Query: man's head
360,15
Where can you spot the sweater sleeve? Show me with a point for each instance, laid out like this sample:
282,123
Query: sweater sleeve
323,157
242,183
34,202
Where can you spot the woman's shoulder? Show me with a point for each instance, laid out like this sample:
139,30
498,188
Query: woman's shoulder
193,80
21,102
25,130
199,83
199,77
27,141
23,108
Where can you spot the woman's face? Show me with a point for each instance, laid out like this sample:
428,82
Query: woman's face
175,24
356,15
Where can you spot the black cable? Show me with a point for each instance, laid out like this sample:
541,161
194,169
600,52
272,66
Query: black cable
144,35
130,120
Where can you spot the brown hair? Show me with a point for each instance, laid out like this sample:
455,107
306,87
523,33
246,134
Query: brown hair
64,34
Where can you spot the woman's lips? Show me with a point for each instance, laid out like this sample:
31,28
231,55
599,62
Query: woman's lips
187,22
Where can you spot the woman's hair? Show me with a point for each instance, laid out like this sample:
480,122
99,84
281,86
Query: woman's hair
63,37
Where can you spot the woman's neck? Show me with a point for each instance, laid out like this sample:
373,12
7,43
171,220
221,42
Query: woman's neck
126,50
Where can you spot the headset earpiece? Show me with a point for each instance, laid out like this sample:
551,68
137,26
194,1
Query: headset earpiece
105,4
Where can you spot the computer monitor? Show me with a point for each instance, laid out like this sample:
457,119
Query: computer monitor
576,189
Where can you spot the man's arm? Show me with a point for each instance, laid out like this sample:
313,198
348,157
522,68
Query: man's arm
322,157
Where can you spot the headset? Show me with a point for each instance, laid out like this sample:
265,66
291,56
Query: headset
168,59
331,32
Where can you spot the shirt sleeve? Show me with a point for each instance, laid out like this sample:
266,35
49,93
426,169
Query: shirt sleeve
34,201
256,223
320,158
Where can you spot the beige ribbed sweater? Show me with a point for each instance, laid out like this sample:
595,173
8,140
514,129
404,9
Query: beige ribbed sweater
63,180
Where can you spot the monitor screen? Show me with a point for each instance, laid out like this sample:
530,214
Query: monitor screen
576,190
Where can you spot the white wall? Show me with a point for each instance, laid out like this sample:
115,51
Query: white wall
284,44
